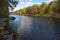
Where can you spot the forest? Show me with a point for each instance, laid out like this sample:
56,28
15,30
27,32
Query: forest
44,9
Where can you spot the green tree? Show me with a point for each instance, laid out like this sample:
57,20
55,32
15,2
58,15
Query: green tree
43,9
28,10
57,6
52,7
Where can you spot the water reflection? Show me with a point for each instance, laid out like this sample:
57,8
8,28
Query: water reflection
57,28
14,24
36,28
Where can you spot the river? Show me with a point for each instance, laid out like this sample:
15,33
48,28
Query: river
36,28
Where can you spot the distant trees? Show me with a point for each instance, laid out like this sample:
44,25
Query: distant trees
51,9
28,10
43,9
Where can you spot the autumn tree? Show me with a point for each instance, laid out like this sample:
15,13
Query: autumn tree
36,9
52,7
43,8
28,10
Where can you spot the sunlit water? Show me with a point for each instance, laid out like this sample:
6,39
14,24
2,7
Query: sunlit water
36,28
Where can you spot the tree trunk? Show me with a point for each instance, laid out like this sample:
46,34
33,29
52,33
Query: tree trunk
4,11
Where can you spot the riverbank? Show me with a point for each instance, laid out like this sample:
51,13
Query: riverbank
44,16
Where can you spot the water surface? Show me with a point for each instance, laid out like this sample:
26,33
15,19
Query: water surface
36,28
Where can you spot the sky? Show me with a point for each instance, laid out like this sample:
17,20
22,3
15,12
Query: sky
26,3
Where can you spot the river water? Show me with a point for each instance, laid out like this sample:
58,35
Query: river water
36,28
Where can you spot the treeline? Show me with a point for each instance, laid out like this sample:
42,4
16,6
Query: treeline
43,9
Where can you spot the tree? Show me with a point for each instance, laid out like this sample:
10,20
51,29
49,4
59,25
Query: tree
4,13
52,7
43,8
58,2
4,4
28,10
12,4
57,6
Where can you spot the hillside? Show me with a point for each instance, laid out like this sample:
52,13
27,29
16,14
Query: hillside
43,9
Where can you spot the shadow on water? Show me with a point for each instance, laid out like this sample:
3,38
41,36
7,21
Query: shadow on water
57,28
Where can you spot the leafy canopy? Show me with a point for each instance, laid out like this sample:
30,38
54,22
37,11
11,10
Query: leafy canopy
12,4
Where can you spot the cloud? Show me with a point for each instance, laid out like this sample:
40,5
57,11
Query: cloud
29,3
26,2
22,2
51,0
38,3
